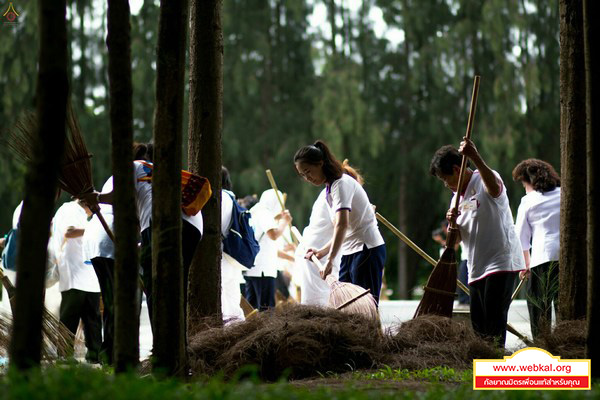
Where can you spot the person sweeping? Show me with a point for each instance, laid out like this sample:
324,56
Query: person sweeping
488,235
355,234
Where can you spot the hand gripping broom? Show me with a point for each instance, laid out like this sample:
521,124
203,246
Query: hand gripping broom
344,296
461,285
441,285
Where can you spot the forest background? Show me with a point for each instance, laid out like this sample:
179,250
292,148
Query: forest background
385,102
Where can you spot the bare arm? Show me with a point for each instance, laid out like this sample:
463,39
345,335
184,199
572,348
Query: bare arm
339,234
492,185
284,220
73,232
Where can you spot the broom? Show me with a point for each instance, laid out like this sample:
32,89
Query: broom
75,172
441,285
344,296
55,333
461,285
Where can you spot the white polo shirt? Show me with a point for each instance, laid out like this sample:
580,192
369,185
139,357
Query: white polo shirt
143,200
263,217
538,225
347,194
487,231
96,242
73,272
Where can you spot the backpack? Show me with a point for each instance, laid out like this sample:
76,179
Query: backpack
9,254
240,242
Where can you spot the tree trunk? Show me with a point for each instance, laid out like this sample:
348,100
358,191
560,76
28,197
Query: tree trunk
204,154
41,185
573,259
127,318
591,13
167,268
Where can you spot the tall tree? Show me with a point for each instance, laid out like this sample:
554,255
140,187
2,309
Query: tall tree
41,184
125,300
591,13
204,151
167,266
573,259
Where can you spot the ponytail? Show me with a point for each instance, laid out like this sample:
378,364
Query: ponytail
316,153
353,172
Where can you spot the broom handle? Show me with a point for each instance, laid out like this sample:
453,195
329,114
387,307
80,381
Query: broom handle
463,164
517,290
296,233
416,248
274,186
105,226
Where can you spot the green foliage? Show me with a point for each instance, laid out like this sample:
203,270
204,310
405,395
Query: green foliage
71,382
385,107
436,374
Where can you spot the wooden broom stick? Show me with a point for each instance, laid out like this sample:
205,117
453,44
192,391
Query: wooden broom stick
416,248
461,285
274,186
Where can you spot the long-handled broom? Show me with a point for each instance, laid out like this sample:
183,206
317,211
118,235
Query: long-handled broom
75,172
461,285
441,285
344,296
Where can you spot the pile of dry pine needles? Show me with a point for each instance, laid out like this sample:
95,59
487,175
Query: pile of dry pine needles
567,339
303,341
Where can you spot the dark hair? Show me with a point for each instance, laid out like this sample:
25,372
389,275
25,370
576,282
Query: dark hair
225,179
143,151
540,174
318,152
444,160
248,201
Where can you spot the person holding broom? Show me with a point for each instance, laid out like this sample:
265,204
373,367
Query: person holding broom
488,235
355,234
192,226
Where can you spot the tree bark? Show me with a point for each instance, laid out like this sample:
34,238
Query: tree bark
127,318
41,185
167,268
573,259
204,152
591,13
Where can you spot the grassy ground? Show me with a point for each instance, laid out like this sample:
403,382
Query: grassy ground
80,382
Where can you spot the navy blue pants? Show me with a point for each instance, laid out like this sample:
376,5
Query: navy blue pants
364,269
490,301
105,268
260,292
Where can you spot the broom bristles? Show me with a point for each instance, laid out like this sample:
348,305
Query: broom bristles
441,287
75,174
342,294
54,333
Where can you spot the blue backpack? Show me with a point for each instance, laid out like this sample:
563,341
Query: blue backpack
9,254
240,242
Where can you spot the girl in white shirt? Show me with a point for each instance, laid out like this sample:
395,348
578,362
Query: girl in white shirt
538,227
355,235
